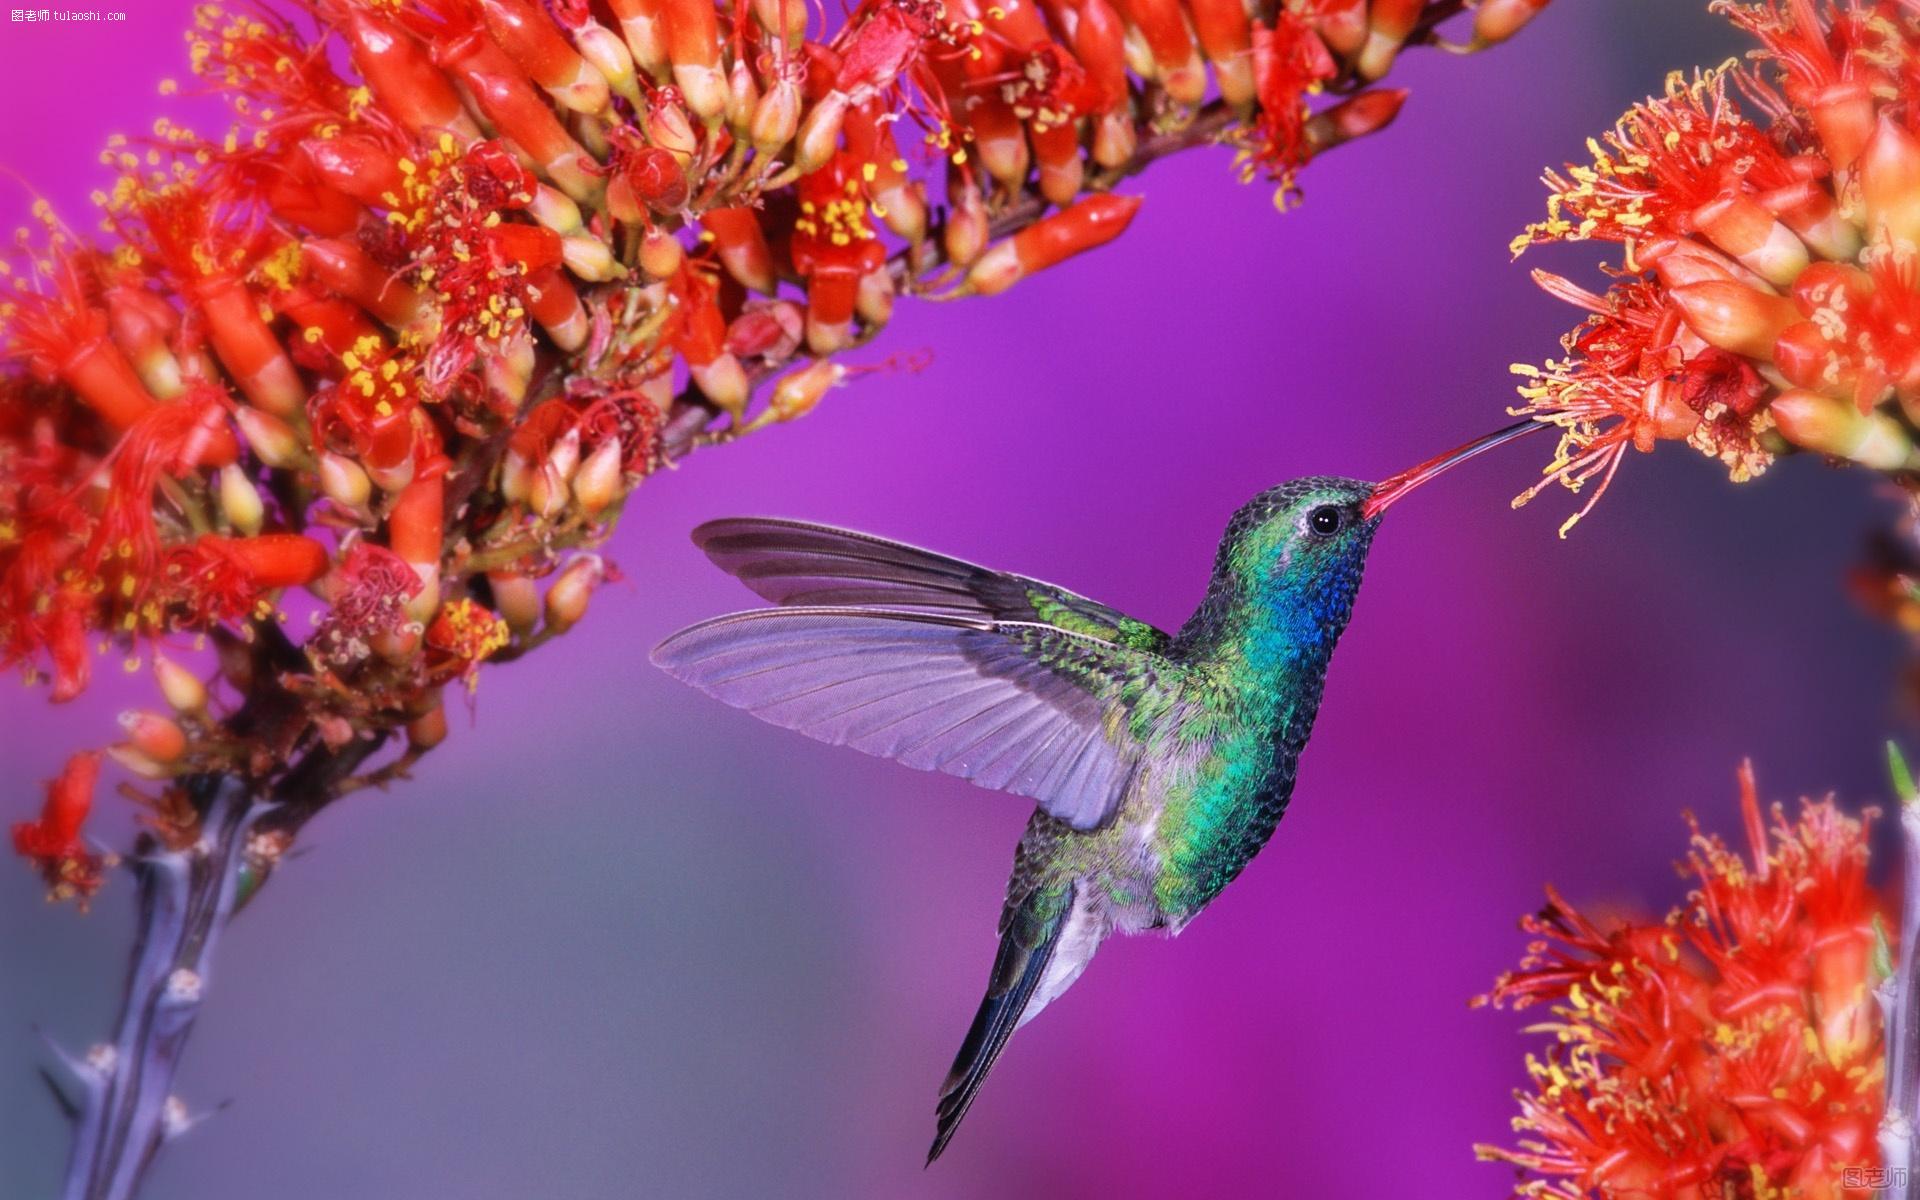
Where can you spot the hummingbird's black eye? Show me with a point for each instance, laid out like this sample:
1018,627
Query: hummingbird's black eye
1326,520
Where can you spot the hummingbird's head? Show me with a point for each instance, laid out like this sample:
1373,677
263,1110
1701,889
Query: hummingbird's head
1291,560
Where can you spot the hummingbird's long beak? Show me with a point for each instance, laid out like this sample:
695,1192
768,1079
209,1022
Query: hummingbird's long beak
1390,490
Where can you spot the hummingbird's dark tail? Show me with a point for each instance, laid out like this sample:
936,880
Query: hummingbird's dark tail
1026,950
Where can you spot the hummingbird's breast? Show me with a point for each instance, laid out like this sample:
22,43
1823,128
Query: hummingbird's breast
1224,785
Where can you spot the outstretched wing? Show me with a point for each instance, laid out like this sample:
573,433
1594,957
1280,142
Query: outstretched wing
795,563
1014,706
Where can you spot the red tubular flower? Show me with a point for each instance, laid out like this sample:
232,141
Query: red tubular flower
53,843
1731,1050
835,245
1289,59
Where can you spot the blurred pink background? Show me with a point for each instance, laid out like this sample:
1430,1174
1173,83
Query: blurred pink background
616,939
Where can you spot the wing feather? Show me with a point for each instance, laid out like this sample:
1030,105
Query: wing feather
1021,707
801,564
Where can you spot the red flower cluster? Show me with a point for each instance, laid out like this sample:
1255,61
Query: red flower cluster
1731,1050
407,335
1767,298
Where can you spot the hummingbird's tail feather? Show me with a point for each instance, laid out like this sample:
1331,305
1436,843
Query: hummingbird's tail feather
1026,951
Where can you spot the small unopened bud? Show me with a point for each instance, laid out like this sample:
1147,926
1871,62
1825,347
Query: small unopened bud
1498,20
1388,24
798,392
660,253
428,729
820,132
517,598
668,128
743,96
134,762
601,478
874,300
1838,427
272,440
604,49
516,477
179,687
589,258
1114,137
555,210
1739,225
344,481
240,500
159,738
1355,117
966,236
724,381
1890,183
776,117
567,598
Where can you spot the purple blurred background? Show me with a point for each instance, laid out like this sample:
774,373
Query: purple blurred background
618,939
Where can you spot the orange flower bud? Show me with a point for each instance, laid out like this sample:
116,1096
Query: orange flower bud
517,599
966,233
1829,426
416,526
531,39
1735,317
643,25
800,391
1890,183
1342,25
1226,35
1388,24
554,209
1843,115
1739,225
248,349
159,738
1355,117
428,729
1092,222
742,245
661,254
272,560
1498,20
604,49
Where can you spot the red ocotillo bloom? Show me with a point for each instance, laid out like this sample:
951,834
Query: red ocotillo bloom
1731,1050
1766,298
463,272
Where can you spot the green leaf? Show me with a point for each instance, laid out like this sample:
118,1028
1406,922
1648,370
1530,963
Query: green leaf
1882,951
1902,777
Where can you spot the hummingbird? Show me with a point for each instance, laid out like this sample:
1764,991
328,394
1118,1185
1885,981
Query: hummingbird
1160,763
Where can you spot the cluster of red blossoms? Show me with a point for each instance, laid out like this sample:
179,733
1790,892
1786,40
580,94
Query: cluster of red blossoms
1767,297
406,336
1732,1050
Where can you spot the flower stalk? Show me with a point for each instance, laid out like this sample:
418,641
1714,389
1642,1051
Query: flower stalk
1899,995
